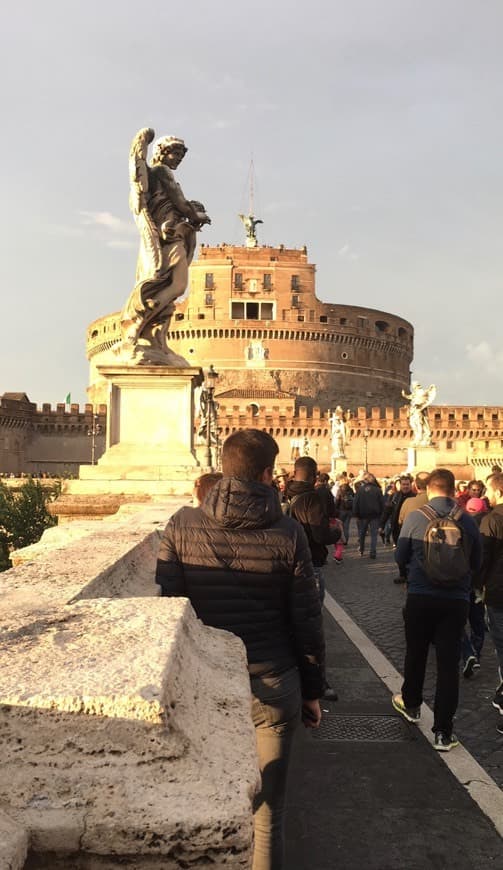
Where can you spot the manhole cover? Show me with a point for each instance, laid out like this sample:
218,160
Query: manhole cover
340,727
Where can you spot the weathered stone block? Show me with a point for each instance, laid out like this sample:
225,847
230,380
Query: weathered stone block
126,736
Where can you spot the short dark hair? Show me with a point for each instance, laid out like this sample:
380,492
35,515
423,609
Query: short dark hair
421,480
443,480
323,477
495,469
305,468
246,454
205,482
496,480
406,477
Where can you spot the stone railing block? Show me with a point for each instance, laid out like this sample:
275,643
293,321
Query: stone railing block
127,736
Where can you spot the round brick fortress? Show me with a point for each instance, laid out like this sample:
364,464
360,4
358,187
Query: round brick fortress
254,314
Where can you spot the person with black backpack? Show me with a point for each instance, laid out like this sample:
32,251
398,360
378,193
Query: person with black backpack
441,546
344,508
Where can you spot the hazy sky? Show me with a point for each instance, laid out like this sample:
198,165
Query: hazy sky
376,130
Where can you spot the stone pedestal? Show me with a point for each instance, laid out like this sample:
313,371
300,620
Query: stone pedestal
421,459
150,432
339,464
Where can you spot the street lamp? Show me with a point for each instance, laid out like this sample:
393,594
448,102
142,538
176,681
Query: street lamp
92,431
366,435
211,417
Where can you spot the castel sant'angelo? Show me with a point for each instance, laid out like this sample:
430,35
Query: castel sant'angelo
285,361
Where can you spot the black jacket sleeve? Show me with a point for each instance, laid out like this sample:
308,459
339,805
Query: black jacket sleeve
306,622
169,570
309,510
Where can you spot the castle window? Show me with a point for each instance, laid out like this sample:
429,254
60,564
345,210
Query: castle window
344,355
295,283
452,416
252,310
267,282
449,445
323,318
300,318
295,301
254,408
480,418
238,281
200,316
344,321
179,316
237,310
208,299
361,322
402,333
208,281
382,326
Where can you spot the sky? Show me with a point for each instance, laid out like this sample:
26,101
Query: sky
376,133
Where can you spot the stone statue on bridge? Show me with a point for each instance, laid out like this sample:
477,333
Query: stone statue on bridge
419,400
338,433
168,223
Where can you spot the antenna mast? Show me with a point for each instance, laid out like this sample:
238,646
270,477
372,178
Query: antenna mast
249,220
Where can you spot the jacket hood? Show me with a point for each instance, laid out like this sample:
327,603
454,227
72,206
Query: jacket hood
242,504
298,487
442,504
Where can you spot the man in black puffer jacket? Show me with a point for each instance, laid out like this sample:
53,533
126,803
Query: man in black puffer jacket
247,568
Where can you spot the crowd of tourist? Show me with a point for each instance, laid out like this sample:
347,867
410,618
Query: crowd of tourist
250,556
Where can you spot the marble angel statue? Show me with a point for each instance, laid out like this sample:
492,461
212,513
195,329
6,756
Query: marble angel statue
418,415
168,224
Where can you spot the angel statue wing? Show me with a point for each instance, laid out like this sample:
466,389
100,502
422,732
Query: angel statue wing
138,199
431,392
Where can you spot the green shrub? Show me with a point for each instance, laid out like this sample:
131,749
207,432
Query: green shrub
23,516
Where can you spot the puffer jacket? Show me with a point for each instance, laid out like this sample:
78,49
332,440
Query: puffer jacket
247,568
309,507
491,573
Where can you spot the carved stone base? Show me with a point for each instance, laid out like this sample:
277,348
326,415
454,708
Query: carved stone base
422,459
150,432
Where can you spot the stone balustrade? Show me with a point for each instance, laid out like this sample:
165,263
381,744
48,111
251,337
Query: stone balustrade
125,729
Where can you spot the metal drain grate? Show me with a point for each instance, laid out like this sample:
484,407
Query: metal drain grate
363,728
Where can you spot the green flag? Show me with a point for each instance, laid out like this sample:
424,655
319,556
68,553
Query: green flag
68,400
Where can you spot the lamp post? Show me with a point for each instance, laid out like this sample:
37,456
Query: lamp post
366,434
211,427
92,431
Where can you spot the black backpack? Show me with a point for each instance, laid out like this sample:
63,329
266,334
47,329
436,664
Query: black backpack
446,548
347,502
287,505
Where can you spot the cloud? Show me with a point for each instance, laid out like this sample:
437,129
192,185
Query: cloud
107,220
224,123
121,243
346,253
63,230
487,359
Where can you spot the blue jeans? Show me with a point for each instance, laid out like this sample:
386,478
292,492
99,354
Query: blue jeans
473,640
495,619
276,708
363,525
345,518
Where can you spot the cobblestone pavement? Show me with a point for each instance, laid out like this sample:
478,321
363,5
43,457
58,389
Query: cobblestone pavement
365,589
